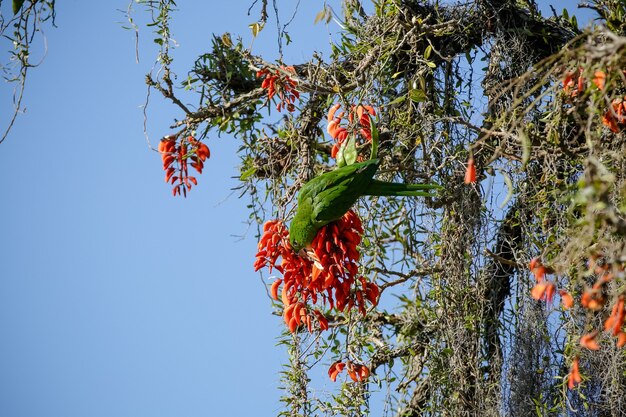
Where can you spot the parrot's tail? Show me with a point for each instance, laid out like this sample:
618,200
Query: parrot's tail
396,189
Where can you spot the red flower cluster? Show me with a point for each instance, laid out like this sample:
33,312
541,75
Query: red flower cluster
615,117
593,298
574,82
328,274
340,133
566,299
544,289
281,84
356,371
179,153
599,79
588,341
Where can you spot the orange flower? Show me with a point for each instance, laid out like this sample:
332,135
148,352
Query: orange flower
574,377
566,299
568,82
470,171
609,121
357,372
573,83
599,79
368,292
179,154
538,269
371,292
615,117
273,244
592,299
335,369
294,315
334,129
321,319
363,114
589,341
616,320
340,133
621,339
274,289
278,83
543,291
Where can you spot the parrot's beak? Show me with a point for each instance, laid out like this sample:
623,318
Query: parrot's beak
310,253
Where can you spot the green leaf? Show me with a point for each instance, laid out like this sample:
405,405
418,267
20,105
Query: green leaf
350,152
428,51
397,100
247,174
341,160
418,96
17,5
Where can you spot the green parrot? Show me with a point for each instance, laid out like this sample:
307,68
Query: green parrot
327,197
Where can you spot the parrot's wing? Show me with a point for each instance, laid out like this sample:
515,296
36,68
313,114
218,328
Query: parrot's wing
336,177
332,204
332,194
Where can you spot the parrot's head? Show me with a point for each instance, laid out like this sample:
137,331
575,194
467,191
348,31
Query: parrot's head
301,234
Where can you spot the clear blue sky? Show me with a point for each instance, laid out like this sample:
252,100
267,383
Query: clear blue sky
117,299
